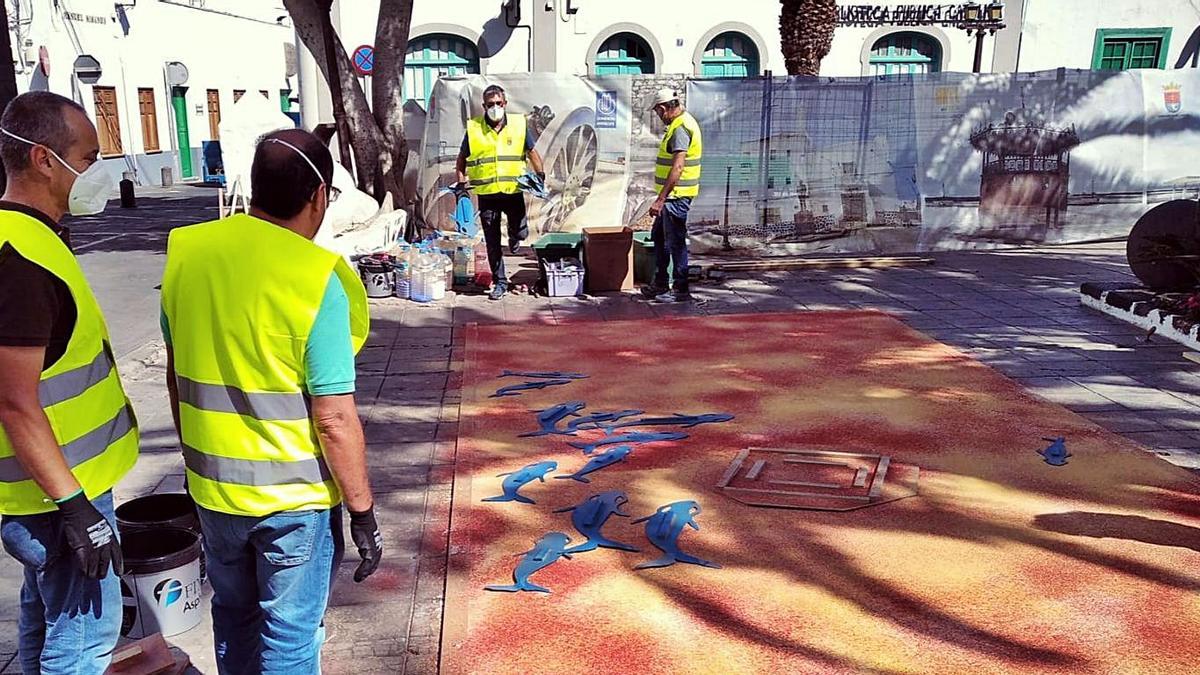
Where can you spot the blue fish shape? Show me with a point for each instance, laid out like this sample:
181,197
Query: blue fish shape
516,479
1056,454
556,375
599,462
635,437
596,421
516,389
663,528
589,517
679,419
549,418
544,553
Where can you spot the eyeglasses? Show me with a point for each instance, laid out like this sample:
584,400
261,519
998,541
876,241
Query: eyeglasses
334,193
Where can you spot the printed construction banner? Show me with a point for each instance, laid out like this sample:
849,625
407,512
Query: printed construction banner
886,164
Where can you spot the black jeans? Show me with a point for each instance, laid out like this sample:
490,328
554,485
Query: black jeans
669,235
490,208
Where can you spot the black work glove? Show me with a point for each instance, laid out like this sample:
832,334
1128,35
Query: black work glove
365,534
90,537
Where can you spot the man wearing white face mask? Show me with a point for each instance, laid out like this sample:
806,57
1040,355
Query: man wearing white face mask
261,327
68,429
492,157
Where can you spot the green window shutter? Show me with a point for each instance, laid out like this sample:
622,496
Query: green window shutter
1125,48
431,56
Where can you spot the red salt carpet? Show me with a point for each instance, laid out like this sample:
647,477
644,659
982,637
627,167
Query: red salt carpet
1001,563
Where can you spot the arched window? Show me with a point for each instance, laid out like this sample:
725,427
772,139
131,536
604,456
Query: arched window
430,57
729,54
900,53
624,54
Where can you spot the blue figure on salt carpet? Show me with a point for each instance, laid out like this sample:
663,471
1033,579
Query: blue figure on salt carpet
589,517
544,553
598,462
663,528
517,479
1056,454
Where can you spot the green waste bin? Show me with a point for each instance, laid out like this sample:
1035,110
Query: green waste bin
643,258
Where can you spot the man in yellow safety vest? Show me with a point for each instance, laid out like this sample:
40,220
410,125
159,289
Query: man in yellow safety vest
492,158
67,431
262,326
677,178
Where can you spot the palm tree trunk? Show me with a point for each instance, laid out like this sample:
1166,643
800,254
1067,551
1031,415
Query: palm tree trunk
806,34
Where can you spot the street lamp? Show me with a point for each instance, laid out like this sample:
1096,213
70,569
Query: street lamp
980,20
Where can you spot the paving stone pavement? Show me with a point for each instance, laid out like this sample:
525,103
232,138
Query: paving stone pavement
1015,310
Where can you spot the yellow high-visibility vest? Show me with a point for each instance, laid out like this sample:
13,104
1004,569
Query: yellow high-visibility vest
240,296
497,159
689,180
81,394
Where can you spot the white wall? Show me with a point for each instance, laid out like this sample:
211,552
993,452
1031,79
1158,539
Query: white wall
677,30
501,50
221,52
1062,34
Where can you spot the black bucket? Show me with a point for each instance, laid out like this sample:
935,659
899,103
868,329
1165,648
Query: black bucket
161,586
154,512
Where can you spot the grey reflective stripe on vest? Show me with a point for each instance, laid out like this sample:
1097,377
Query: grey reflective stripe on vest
255,472
88,446
497,158
670,161
268,406
68,385
680,183
497,179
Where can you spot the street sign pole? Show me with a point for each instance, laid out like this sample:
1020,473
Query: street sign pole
335,86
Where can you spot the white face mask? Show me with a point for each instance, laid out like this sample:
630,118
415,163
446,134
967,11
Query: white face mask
495,113
89,192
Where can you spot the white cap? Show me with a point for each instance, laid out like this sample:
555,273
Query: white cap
665,95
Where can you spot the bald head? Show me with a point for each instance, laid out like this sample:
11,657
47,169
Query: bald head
282,182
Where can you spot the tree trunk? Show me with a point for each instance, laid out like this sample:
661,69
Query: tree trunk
387,91
377,137
806,34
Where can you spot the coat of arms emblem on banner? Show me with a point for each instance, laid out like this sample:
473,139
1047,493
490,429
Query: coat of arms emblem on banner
1173,98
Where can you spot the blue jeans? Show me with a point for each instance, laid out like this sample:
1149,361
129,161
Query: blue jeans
669,235
68,623
271,577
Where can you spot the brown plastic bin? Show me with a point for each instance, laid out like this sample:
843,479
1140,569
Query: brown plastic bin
608,259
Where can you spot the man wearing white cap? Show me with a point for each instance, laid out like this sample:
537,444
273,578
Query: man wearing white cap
677,178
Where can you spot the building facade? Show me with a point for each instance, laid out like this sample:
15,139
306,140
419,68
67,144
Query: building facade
717,39
166,70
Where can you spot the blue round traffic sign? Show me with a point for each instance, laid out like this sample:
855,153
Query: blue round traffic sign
364,59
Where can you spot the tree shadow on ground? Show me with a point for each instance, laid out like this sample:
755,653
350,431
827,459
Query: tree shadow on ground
1118,526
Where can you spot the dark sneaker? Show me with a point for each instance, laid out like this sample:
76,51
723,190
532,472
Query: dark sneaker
650,291
514,246
497,292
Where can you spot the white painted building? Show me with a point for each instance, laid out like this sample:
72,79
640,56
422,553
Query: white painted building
229,48
714,39
234,46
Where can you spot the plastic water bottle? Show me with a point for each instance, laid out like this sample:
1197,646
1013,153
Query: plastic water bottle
403,283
